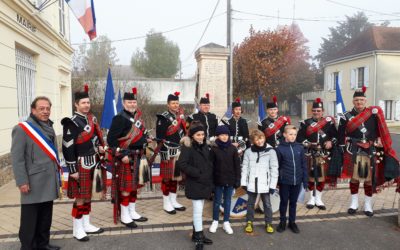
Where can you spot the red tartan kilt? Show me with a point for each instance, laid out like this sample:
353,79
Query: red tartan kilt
127,182
167,169
84,189
348,165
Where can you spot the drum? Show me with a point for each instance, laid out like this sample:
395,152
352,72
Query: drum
238,204
275,200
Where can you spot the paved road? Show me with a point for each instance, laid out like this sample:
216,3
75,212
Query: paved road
364,233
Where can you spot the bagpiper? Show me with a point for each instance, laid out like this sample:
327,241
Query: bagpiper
170,128
127,139
82,145
238,128
208,119
318,134
368,153
273,125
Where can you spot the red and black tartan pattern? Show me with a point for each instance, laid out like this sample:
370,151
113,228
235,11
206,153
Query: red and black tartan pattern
314,129
386,142
167,169
282,120
81,188
127,178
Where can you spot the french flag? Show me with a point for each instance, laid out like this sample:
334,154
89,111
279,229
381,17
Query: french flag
84,12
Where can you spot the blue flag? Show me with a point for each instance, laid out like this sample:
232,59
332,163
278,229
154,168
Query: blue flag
119,102
340,109
109,107
261,109
228,113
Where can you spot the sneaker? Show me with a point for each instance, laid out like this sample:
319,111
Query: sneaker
269,229
213,227
227,227
294,228
281,227
249,227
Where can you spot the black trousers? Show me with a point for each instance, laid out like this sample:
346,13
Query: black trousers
289,194
34,231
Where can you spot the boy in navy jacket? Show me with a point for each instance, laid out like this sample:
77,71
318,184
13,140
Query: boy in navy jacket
292,174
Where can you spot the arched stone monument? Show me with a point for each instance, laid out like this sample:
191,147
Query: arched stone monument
212,76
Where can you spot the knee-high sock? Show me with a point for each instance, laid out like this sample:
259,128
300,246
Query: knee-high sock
354,187
78,211
320,186
125,200
368,190
164,187
173,186
133,196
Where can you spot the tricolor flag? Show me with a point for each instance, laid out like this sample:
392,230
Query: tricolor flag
340,109
84,12
109,107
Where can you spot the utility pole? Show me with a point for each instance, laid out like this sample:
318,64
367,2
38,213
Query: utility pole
229,45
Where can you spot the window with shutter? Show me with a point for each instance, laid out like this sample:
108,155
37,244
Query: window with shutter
397,111
353,79
366,76
25,71
360,77
340,79
335,80
388,109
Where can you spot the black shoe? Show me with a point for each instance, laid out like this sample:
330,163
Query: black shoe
101,230
130,224
199,245
309,206
141,219
84,239
351,211
206,240
49,247
200,235
294,228
170,212
321,207
180,208
281,227
368,213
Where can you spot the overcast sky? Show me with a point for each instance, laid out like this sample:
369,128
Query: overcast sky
120,19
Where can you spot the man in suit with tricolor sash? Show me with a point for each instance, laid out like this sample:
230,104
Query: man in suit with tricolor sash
36,170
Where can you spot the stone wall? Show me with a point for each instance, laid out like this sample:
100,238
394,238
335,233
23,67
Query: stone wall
6,173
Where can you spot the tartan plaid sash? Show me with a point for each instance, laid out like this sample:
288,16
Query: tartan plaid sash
270,130
318,126
173,128
85,136
134,134
357,120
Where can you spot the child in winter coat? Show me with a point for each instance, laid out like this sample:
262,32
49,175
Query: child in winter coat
292,174
226,163
259,176
195,162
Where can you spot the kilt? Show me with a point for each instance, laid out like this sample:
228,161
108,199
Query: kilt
167,168
127,178
81,188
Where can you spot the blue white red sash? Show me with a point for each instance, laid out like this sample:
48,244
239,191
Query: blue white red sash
38,137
